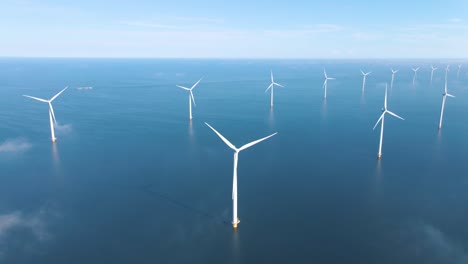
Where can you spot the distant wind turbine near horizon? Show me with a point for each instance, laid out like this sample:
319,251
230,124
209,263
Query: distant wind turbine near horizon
51,110
272,86
415,74
432,71
325,83
458,72
235,219
382,118
444,97
191,97
364,75
393,77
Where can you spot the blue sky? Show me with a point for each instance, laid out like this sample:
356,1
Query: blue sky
234,29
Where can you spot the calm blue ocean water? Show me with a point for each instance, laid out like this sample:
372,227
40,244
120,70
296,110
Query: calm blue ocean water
131,180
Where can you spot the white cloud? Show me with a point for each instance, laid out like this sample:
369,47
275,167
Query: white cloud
15,145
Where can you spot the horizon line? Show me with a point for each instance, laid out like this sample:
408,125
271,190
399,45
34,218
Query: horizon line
231,58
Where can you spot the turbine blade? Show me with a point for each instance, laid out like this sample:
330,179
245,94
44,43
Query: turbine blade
331,78
449,95
52,111
35,98
395,115
185,88
193,98
368,73
196,84
268,87
385,100
256,141
378,121
362,72
222,138
325,73
271,76
55,96
278,85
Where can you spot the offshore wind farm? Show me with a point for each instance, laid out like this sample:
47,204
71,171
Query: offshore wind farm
336,131
127,158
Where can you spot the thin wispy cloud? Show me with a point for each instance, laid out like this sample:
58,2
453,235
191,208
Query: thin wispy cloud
200,20
63,128
18,220
15,145
176,23
152,25
20,231
305,30
455,20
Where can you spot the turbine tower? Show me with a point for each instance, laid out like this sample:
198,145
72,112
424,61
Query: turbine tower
458,72
51,111
364,75
191,97
415,74
235,219
325,83
432,71
444,96
393,78
272,86
382,118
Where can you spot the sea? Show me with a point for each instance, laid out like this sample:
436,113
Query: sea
131,179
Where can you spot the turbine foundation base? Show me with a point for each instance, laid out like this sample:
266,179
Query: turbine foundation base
234,224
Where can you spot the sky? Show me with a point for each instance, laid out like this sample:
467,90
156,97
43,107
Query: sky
234,29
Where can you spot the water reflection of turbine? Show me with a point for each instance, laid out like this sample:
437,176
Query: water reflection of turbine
323,109
190,130
271,118
235,247
56,160
378,178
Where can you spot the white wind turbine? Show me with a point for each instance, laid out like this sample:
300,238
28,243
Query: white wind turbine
415,74
444,96
364,75
191,98
325,83
272,86
51,111
458,72
393,78
382,118
235,219
432,71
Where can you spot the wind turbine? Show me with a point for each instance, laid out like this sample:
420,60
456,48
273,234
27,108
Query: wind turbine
325,83
272,85
51,111
415,74
393,77
458,72
432,71
364,75
235,219
382,117
444,96
191,98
